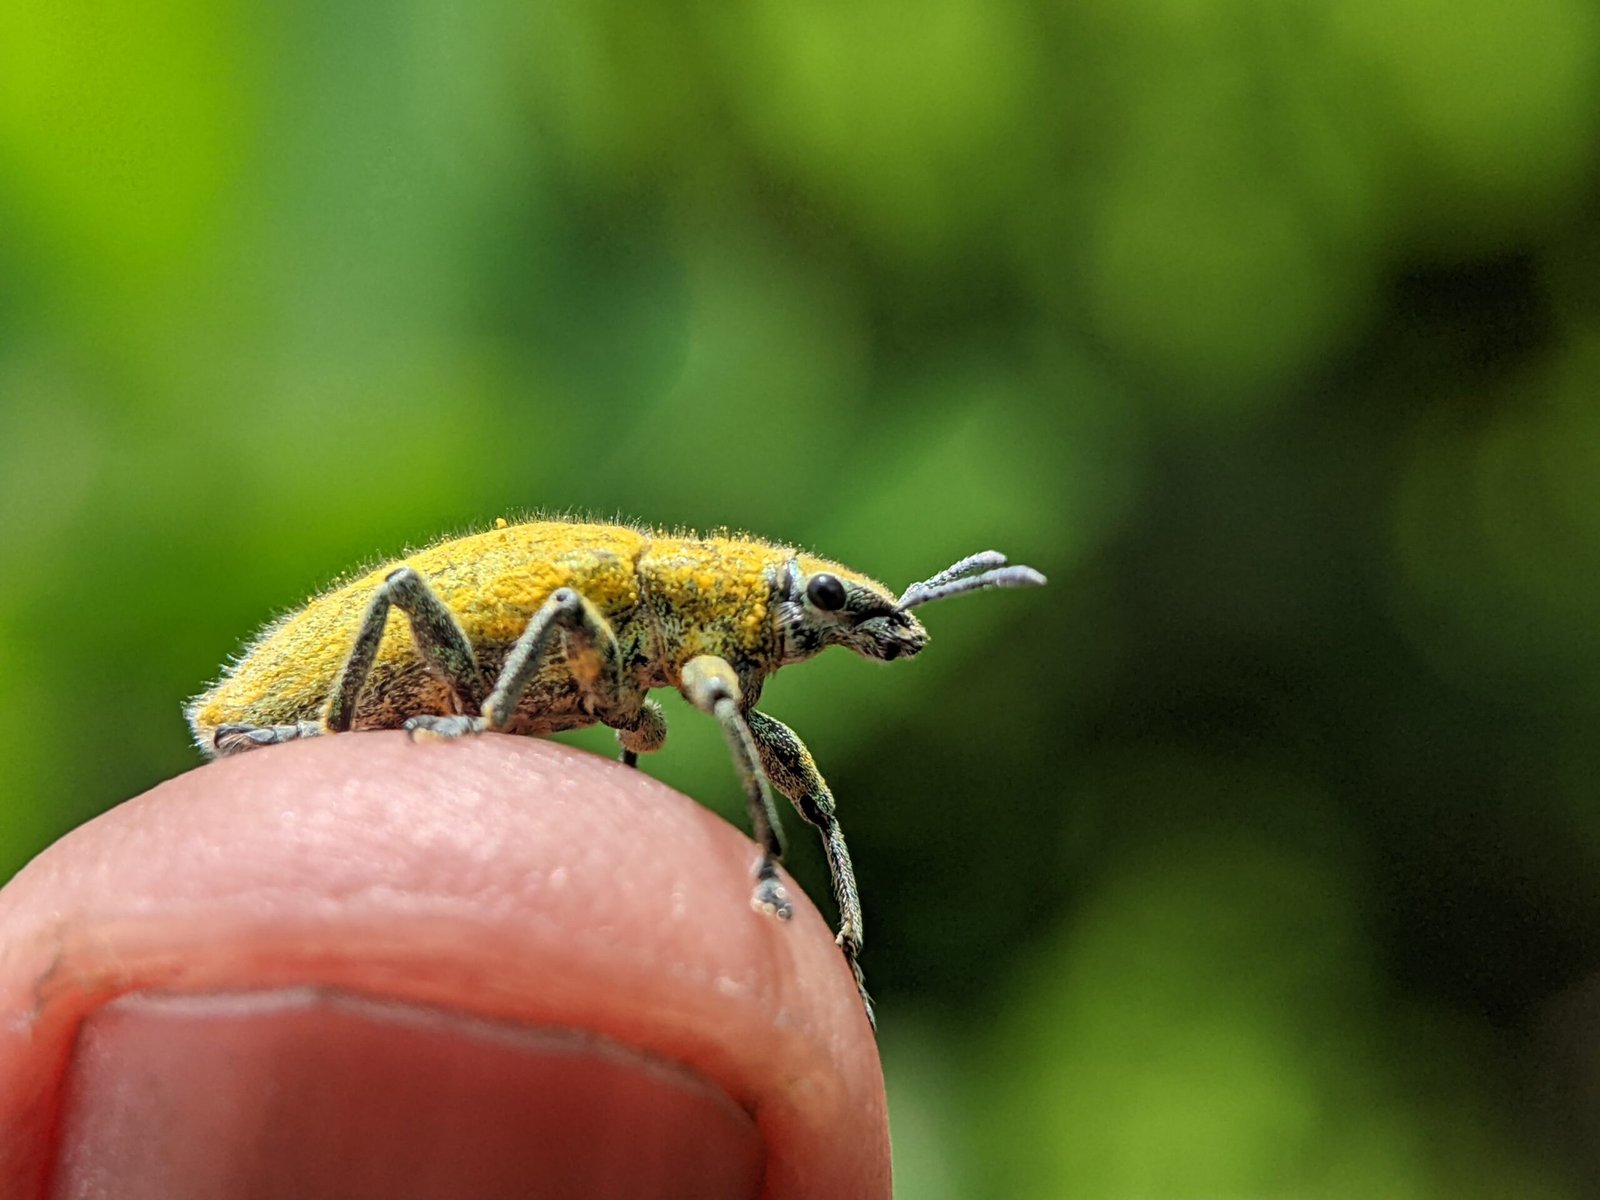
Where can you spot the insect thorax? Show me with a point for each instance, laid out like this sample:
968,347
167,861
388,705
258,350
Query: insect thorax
713,596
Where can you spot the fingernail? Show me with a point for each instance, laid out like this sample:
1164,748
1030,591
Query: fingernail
304,1093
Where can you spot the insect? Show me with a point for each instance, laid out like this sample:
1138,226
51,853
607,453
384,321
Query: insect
541,626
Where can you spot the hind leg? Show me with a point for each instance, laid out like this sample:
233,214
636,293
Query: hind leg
439,640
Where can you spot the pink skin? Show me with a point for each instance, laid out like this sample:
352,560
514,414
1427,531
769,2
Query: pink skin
358,966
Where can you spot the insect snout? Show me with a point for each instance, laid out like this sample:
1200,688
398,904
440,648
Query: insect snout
895,635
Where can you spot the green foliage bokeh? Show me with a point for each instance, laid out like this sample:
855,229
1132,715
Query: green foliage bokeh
1256,856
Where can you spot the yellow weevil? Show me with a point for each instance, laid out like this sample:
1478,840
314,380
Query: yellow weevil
549,625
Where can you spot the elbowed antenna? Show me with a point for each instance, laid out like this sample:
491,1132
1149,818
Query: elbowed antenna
985,569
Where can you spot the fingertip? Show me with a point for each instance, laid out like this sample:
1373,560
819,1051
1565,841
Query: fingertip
505,879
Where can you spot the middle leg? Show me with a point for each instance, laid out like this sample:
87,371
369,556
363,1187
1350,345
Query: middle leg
644,736
592,656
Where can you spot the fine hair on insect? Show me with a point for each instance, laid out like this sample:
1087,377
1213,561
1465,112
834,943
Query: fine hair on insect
546,625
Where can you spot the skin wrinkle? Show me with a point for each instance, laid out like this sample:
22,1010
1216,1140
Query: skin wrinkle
397,901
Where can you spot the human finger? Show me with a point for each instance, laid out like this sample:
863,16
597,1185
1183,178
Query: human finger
360,963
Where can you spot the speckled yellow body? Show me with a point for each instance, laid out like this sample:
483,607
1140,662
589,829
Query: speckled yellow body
666,598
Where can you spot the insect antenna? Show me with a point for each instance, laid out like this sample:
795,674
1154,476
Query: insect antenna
985,569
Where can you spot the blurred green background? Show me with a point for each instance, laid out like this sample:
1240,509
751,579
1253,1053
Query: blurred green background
1259,855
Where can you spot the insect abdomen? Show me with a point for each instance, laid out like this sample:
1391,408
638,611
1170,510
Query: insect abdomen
493,582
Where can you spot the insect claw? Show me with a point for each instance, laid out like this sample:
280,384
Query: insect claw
439,729
771,898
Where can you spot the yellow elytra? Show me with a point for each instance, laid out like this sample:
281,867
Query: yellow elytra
548,625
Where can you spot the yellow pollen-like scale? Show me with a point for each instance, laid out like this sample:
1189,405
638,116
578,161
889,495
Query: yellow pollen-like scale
712,593
493,582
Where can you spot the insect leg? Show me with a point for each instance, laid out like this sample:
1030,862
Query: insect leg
711,685
591,655
646,736
235,739
794,773
438,638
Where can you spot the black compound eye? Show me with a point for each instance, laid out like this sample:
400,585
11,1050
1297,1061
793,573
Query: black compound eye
826,592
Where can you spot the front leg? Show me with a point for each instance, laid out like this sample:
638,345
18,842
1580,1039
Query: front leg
712,686
794,773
